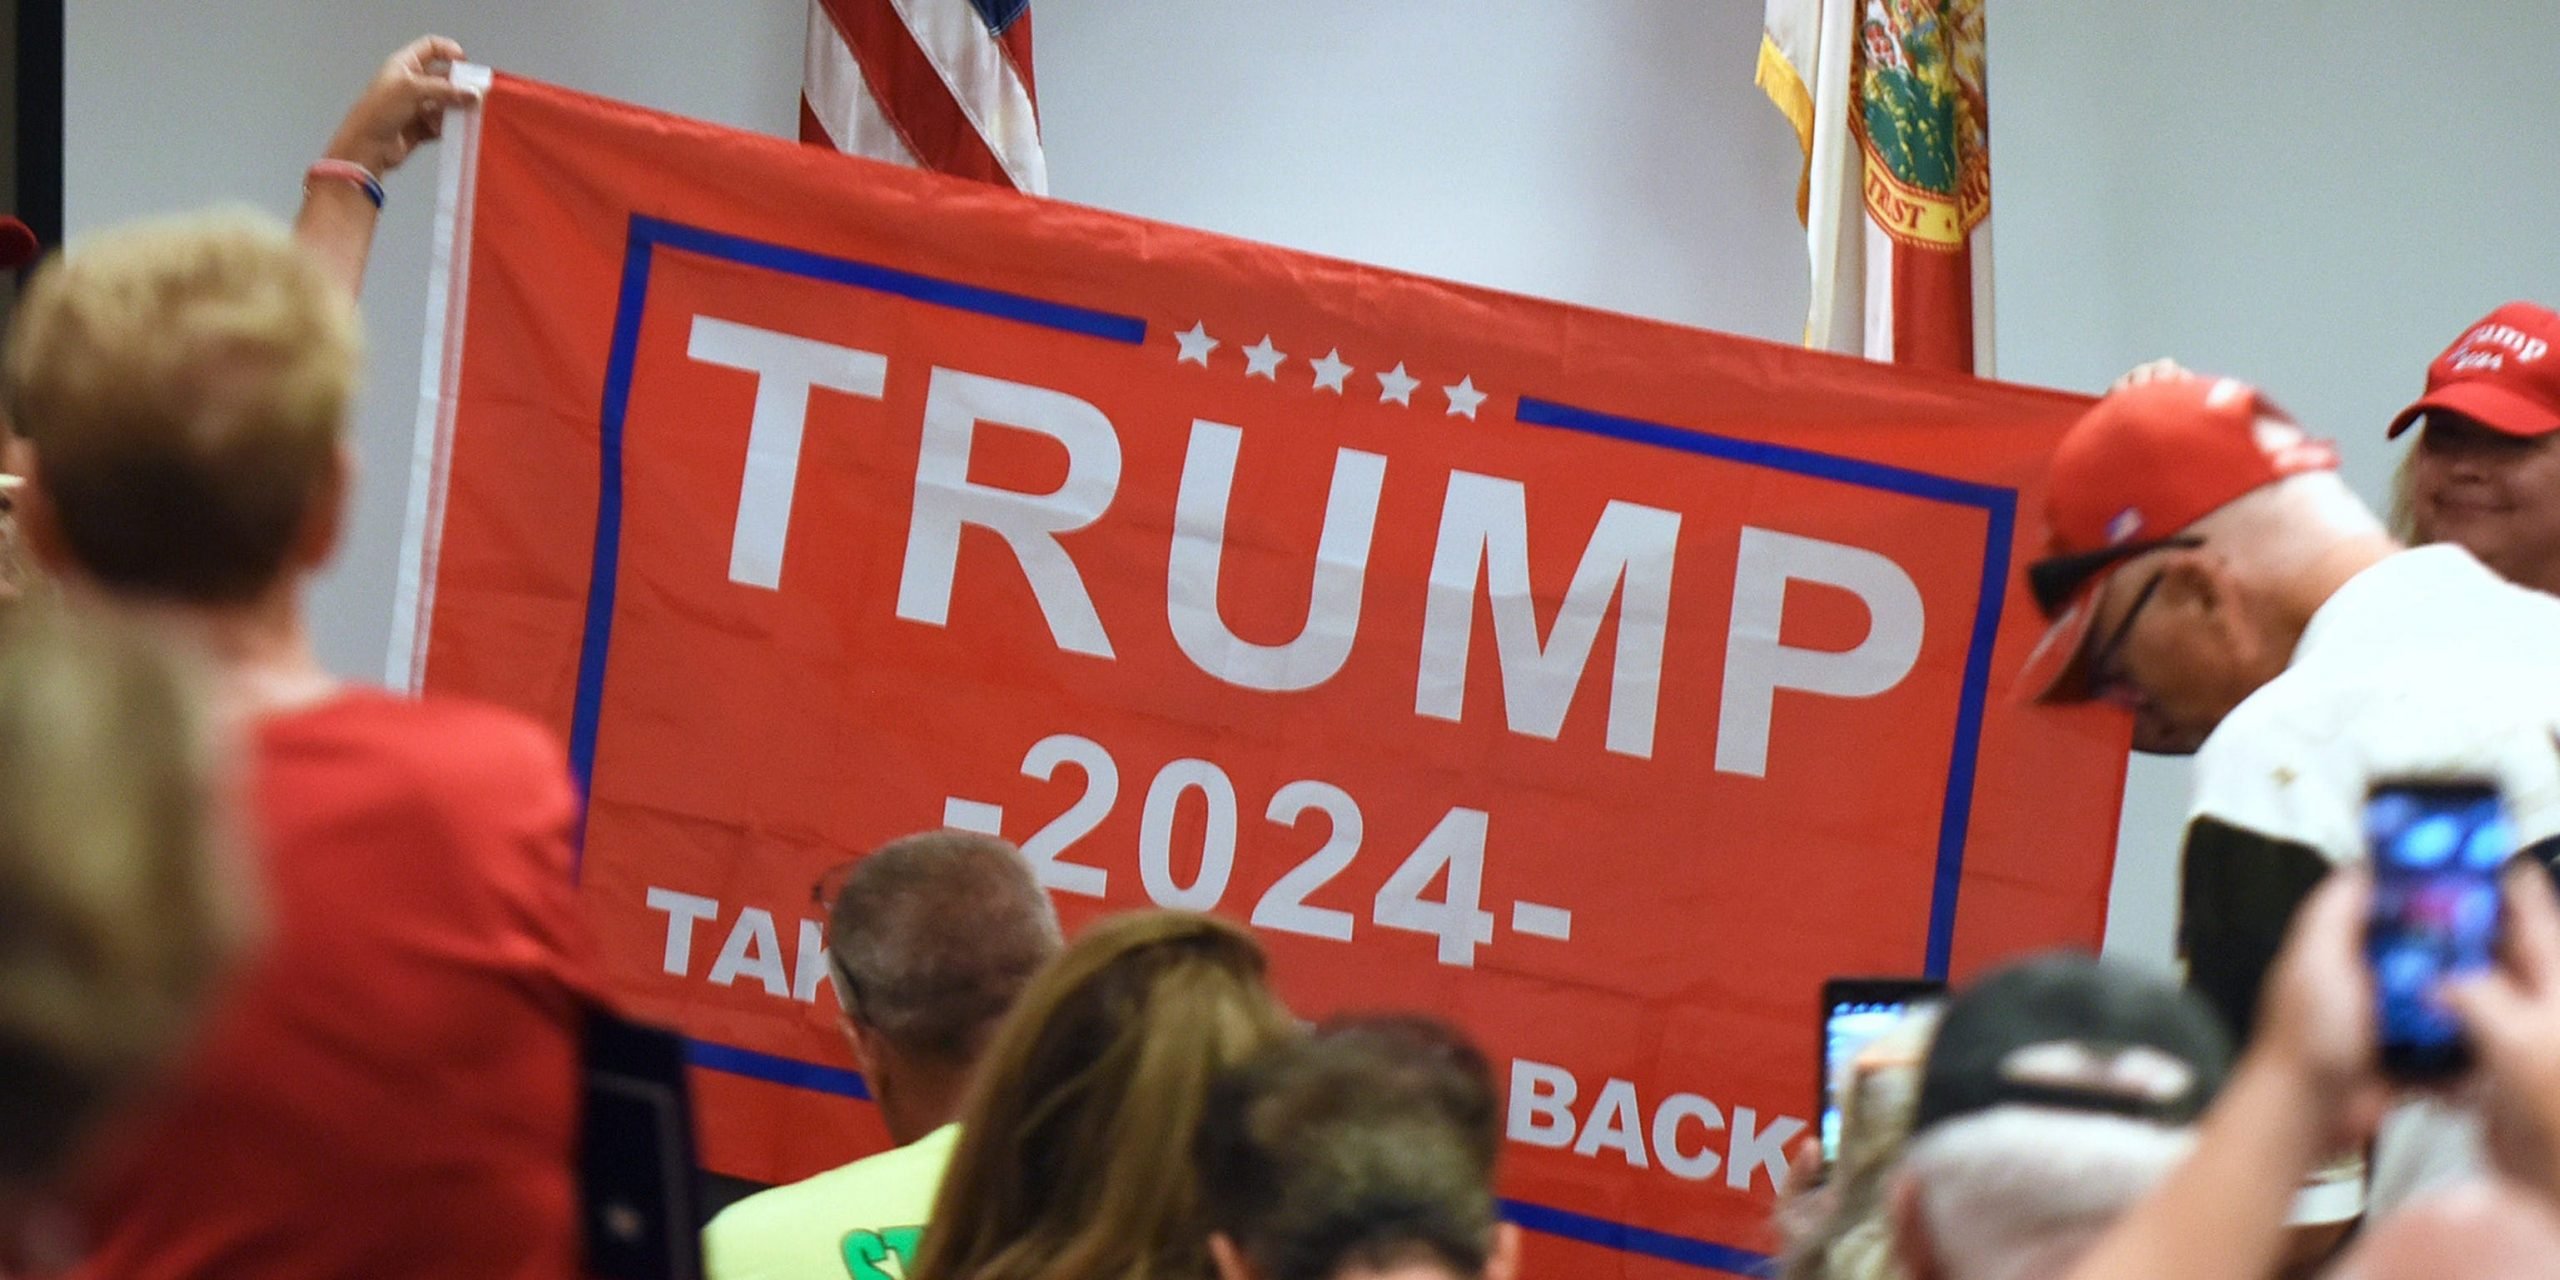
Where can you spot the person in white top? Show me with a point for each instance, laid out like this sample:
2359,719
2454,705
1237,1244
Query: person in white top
2209,572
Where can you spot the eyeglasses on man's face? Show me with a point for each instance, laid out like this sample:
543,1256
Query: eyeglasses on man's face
2108,681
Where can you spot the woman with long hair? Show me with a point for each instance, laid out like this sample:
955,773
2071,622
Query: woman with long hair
1842,1229
121,905
2485,470
1075,1147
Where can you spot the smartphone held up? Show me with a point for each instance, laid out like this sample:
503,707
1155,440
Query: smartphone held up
2438,848
1855,1011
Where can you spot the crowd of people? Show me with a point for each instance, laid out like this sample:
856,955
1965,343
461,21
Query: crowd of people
293,976
2208,572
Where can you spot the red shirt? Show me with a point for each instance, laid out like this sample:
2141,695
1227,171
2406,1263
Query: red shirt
391,1089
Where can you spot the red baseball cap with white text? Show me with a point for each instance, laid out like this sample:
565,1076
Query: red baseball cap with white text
2130,476
2501,373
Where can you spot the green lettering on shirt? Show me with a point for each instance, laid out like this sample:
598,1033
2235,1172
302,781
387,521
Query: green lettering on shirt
867,1254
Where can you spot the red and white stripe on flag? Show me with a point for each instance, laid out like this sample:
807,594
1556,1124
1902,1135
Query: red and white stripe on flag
939,84
1887,100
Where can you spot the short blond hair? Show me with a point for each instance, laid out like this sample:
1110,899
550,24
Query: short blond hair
186,382
122,907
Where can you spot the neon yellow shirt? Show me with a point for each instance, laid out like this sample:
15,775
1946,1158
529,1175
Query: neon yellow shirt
858,1222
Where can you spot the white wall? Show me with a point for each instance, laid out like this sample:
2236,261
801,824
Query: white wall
1608,152
2313,193
170,105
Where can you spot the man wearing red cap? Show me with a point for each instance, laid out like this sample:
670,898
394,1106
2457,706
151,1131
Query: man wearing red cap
2208,571
2485,473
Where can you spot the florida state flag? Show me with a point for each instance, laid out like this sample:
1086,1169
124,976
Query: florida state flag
1887,100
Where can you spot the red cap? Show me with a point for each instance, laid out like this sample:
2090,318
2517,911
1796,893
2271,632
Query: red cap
18,245
2130,476
2501,373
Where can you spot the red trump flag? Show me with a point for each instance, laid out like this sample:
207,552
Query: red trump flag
1598,684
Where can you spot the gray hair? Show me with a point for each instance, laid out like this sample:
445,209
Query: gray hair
2020,1191
931,938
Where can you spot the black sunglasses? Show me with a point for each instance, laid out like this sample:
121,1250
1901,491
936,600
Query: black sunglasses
2055,579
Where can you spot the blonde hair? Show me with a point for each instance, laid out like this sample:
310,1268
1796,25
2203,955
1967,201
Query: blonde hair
1844,1231
1075,1155
186,382
118,913
2404,498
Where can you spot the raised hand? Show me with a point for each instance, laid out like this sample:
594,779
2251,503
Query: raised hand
2512,1014
402,106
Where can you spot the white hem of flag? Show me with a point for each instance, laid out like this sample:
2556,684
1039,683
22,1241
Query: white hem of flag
1835,207
439,377
1985,332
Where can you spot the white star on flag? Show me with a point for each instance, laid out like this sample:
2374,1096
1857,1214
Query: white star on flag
1262,360
1397,385
1463,398
1330,371
1196,344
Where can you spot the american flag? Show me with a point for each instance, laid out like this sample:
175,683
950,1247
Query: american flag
940,84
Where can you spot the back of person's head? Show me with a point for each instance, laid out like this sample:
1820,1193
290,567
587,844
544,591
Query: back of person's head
1843,1230
2056,1093
932,937
185,383
1074,1161
1436,1063
2273,531
2483,1229
119,910
2019,1192
1366,1151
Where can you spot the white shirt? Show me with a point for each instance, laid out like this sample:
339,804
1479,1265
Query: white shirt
2426,664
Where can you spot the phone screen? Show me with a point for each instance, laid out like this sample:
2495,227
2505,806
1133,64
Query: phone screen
2438,848
1855,1011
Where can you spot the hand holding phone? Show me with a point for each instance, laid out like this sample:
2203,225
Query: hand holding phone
1854,1012
2512,1015
2438,848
